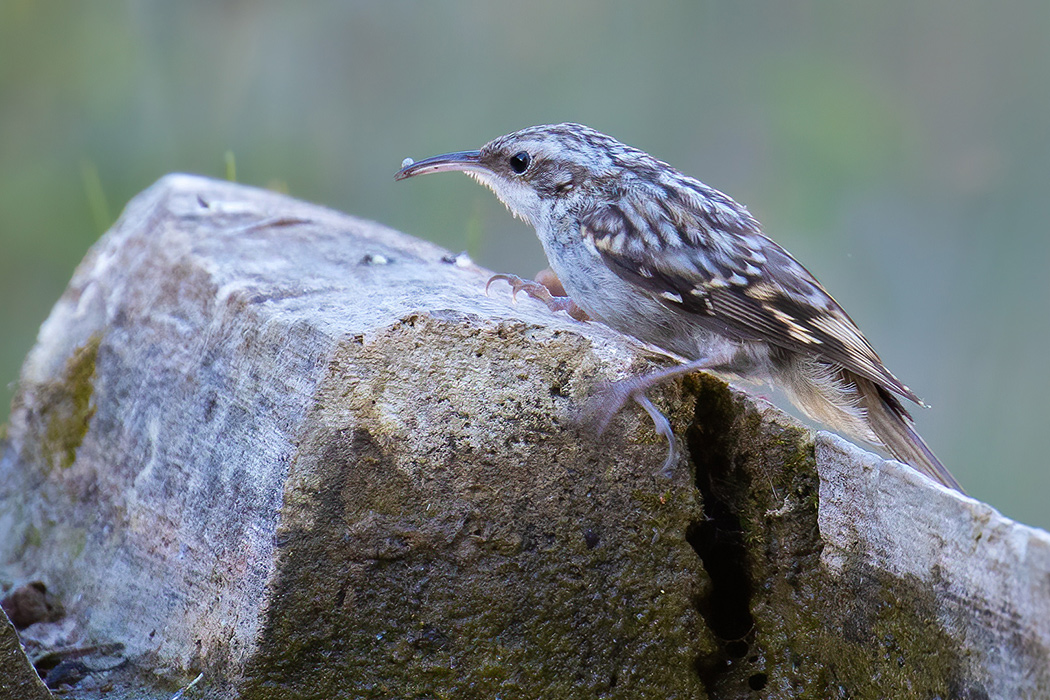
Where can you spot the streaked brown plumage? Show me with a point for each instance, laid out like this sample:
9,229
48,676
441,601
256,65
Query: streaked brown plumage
665,258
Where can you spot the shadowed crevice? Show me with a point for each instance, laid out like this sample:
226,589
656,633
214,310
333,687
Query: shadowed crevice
718,539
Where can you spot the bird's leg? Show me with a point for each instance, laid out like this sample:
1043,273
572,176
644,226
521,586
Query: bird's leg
612,398
540,292
662,426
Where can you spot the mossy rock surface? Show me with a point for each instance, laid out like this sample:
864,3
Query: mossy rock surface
306,456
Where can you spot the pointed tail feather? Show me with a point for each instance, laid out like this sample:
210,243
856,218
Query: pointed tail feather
892,424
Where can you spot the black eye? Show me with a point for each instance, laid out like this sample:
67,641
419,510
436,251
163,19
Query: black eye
519,162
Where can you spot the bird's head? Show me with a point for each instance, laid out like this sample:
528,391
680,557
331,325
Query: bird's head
537,170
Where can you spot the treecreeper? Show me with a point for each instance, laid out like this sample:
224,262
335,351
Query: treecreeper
664,258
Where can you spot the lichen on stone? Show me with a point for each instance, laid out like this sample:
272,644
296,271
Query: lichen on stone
65,406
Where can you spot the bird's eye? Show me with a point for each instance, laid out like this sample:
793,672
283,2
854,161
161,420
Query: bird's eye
519,162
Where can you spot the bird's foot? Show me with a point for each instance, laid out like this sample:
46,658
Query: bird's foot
613,396
540,293
611,399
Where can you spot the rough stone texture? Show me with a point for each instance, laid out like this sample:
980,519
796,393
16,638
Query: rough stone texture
18,680
303,454
976,579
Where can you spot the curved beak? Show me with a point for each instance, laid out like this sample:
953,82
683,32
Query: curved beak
463,160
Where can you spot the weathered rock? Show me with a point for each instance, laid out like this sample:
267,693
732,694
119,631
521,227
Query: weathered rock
18,680
309,457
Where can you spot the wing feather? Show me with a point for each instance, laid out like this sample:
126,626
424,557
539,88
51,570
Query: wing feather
736,279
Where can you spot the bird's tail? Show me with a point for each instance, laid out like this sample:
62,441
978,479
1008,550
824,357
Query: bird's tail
893,426
862,410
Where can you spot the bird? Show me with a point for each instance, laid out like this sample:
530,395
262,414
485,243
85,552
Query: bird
660,256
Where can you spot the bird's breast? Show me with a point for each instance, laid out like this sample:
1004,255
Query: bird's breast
621,305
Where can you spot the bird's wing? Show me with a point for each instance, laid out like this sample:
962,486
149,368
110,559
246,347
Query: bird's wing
737,278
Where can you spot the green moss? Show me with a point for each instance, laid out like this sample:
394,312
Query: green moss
530,601
66,409
783,619
606,587
33,537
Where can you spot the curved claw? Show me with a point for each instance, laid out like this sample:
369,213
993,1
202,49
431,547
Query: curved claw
608,402
539,292
612,397
512,280
662,426
533,289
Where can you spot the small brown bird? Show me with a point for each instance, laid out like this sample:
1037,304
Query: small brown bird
663,257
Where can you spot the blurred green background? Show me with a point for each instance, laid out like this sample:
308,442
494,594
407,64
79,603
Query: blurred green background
900,149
